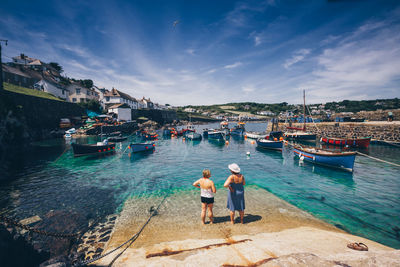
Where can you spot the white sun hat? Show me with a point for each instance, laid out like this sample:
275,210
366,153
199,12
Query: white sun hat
234,167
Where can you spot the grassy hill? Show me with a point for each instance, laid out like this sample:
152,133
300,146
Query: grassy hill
27,91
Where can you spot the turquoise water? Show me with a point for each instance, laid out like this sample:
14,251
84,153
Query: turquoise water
365,203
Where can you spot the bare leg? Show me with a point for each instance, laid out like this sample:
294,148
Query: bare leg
241,212
210,213
203,212
232,213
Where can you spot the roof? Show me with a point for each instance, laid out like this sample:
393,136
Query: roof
119,105
16,71
114,92
28,59
36,62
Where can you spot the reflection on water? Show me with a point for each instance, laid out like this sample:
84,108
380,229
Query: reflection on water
50,177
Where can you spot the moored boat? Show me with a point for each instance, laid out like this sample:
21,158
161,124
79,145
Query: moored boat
341,160
149,135
362,142
300,136
193,136
140,147
255,135
92,149
238,129
269,144
215,134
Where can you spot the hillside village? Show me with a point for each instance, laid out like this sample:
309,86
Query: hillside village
35,74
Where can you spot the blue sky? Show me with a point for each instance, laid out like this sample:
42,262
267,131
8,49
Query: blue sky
220,51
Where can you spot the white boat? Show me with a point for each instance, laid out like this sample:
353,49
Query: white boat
70,131
255,135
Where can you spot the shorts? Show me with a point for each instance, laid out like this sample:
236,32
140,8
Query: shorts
207,200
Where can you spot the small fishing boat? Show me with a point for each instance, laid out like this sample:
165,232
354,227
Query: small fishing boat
225,127
147,135
269,144
238,129
216,135
362,142
169,132
67,136
140,147
193,136
117,139
92,149
301,135
255,135
341,160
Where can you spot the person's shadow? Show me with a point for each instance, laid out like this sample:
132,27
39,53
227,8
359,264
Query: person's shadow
248,218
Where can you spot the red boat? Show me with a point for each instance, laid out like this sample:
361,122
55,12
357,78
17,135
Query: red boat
352,142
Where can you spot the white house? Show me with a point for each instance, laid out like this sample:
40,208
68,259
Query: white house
122,110
80,94
51,87
141,104
117,97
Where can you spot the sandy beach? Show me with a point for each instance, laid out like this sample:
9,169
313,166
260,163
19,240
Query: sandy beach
274,233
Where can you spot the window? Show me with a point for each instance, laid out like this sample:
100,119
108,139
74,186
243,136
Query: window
63,92
107,98
74,99
82,100
78,91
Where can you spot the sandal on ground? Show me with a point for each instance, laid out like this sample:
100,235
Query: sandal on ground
358,246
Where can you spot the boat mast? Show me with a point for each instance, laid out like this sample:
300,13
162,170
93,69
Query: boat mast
304,109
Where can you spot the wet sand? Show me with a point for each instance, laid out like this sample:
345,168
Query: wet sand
272,229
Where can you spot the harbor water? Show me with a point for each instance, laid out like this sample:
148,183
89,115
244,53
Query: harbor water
49,177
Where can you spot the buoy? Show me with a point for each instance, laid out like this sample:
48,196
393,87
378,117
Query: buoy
227,143
245,137
248,153
253,142
281,138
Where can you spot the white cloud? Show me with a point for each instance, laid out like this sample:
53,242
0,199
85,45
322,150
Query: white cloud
363,65
299,55
234,65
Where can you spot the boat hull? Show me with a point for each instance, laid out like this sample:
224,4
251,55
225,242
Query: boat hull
300,136
140,147
358,142
83,150
193,136
268,144
239,132
216,135
255,135
344,161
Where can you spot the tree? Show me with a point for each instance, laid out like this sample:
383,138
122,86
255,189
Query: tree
92,105
87,83
56,66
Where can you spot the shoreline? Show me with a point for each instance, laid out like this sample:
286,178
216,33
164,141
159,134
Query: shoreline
175,236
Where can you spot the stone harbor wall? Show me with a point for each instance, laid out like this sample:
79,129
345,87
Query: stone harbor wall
379,131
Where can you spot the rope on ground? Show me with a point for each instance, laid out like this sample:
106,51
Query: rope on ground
130,241
41,232
381,160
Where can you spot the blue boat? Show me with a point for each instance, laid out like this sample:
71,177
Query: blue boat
215,134
238,129
340,160
269,144
193,136
139,147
